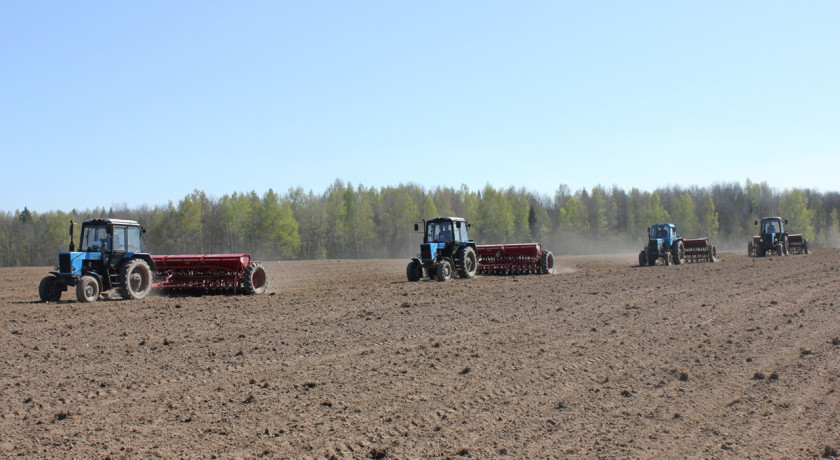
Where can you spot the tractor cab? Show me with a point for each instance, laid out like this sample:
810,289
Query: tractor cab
772,226
445,230
663,234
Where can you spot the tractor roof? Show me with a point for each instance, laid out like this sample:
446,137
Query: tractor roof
448,218
112,221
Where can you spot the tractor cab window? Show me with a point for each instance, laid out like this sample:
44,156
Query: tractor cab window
132,239
463,230
95,238
439,232
119,239
659,232
772,226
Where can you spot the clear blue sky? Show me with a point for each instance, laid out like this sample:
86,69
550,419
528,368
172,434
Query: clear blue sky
105,103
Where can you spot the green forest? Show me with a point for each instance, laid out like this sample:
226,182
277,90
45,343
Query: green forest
349,221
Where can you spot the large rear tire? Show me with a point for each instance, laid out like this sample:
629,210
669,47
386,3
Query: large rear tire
467,262
805,245
443,270
750,252
678,253
546,262
254,279
414,271
136,278
642,259
712,254
50,289
87,289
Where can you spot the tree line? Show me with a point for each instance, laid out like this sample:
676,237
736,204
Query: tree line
347,221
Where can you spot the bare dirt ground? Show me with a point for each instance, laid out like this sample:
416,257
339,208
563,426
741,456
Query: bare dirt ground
346,359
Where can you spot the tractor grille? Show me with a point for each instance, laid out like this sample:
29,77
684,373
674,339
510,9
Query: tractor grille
64,263
425,251
653,246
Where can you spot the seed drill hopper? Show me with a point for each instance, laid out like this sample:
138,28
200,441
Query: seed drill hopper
209,273
514,259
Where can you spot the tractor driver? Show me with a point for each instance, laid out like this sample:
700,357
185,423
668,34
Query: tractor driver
771,228
445,235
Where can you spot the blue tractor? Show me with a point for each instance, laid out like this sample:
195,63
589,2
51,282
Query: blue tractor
446,250
663,244
110,257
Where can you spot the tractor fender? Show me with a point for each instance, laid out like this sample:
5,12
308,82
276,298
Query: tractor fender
98,279
146,257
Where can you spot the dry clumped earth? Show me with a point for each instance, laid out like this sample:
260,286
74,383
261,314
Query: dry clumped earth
346,359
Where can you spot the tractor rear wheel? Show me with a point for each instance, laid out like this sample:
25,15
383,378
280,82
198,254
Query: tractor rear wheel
712,254
750,252
443,270
546,262
678,253
414,271
49,290
467,262
805,245
136,278
642,259
87,289
253,280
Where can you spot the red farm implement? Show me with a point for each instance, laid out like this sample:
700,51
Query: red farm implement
209,273
514,259
699,250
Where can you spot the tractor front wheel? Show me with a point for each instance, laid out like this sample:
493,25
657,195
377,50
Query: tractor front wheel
136,278
50,289
414,271
87,289
443,270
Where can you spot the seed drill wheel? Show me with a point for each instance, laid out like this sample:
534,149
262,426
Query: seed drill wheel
467,262
136,280
414,271
49,290
546,262
443,270
87,289
253,280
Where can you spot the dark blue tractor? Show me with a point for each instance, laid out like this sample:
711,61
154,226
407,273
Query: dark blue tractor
446,251
773,238
663,244
110,257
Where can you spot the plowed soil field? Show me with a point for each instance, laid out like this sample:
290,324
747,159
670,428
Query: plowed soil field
346,359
